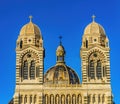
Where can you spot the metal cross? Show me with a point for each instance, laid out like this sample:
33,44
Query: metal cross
93,17
30,18
60,37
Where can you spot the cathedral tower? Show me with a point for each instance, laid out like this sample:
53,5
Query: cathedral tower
95,55
96,61
29,64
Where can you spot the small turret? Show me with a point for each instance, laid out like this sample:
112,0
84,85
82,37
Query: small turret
60,53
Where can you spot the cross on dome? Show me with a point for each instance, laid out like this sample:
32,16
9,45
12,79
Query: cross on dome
30,18
93,17
60,37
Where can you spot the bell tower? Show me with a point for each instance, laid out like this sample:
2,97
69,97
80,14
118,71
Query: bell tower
95,54
29,64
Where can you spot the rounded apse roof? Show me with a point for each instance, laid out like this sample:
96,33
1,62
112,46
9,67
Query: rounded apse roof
30,29
94,28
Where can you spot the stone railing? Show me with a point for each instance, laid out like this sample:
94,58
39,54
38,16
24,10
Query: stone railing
62,85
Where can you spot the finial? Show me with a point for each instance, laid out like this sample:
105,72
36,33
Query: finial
30,18
60,37
93,17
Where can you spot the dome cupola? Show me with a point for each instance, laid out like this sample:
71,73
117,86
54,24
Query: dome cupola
61,73
30,35
94,34
60,52
94,28
30,29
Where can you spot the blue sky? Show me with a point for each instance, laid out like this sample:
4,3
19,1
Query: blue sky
57,17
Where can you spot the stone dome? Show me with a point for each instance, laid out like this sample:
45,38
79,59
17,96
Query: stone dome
61,74
30,29
94,28
60,51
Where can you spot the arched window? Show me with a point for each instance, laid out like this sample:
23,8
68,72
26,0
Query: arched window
73,99
86,43
51,99
60,58
30,99
99,100
35,99
37,71
68,99
25,70
25,99
103,98
21,43
32,70
93,100
98,70
63,99
46,99
104,72
57,99
89,99
91,70
79,99
21,99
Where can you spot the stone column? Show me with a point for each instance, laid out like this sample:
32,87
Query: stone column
95,65
85,99
23,99
28,99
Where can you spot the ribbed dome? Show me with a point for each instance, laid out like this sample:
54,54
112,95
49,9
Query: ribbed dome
94,28
61,74
30,29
